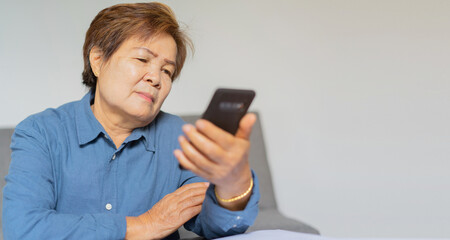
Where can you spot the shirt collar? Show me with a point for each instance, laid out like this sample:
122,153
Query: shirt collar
147,133
89,128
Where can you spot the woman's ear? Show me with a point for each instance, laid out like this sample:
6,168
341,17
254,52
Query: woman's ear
95,59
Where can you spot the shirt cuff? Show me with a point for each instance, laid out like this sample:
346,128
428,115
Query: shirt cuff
110,226
227,220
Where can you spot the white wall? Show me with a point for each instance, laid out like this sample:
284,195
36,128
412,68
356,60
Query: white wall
354,96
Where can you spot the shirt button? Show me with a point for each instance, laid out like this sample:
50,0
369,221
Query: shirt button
234,225
114,157
108,206
238,217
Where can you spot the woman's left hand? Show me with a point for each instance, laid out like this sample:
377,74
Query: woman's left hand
219,157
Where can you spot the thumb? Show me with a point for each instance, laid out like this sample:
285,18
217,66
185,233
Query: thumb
245,126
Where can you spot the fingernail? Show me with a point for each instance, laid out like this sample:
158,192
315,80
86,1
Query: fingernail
207,184
187,127
200,123
176,152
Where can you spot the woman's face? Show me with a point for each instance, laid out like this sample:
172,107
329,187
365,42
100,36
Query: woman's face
136,80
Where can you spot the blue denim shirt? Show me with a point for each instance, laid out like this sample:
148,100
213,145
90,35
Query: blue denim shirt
67,179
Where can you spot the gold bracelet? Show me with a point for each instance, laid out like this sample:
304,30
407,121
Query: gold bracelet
238,197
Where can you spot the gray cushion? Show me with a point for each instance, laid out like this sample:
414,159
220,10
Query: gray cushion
5,156
273,219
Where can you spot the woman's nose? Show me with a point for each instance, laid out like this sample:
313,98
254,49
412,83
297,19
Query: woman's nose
153,76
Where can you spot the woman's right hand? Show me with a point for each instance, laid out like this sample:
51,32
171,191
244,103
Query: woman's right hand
167,215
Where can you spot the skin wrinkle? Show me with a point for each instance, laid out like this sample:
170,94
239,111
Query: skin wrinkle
118,105
156,55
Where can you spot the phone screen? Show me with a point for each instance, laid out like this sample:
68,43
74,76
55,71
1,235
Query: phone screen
227,107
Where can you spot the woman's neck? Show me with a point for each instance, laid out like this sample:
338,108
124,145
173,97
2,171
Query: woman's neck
114,124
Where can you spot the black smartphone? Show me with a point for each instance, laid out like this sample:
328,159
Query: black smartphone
227,107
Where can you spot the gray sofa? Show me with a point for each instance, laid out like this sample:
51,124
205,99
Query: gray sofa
269,217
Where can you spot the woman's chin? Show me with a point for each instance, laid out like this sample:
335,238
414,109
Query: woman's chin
144,118
142,114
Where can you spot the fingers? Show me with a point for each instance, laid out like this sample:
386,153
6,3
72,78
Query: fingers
182,159
213,153
169,213
216,134
192,189
190,198
189,213
203,143
195,156
189,165
245,126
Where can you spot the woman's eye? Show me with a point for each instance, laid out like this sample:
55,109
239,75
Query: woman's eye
167,72
142,60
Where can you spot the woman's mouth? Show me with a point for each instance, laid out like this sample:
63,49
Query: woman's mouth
146,96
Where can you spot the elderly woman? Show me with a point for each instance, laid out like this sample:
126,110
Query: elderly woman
107,166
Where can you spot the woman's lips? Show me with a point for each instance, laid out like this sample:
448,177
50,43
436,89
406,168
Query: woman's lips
146,96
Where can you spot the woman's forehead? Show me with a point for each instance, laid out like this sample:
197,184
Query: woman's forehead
150,40
159,44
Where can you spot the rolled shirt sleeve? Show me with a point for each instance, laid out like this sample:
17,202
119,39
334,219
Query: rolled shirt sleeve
215,221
